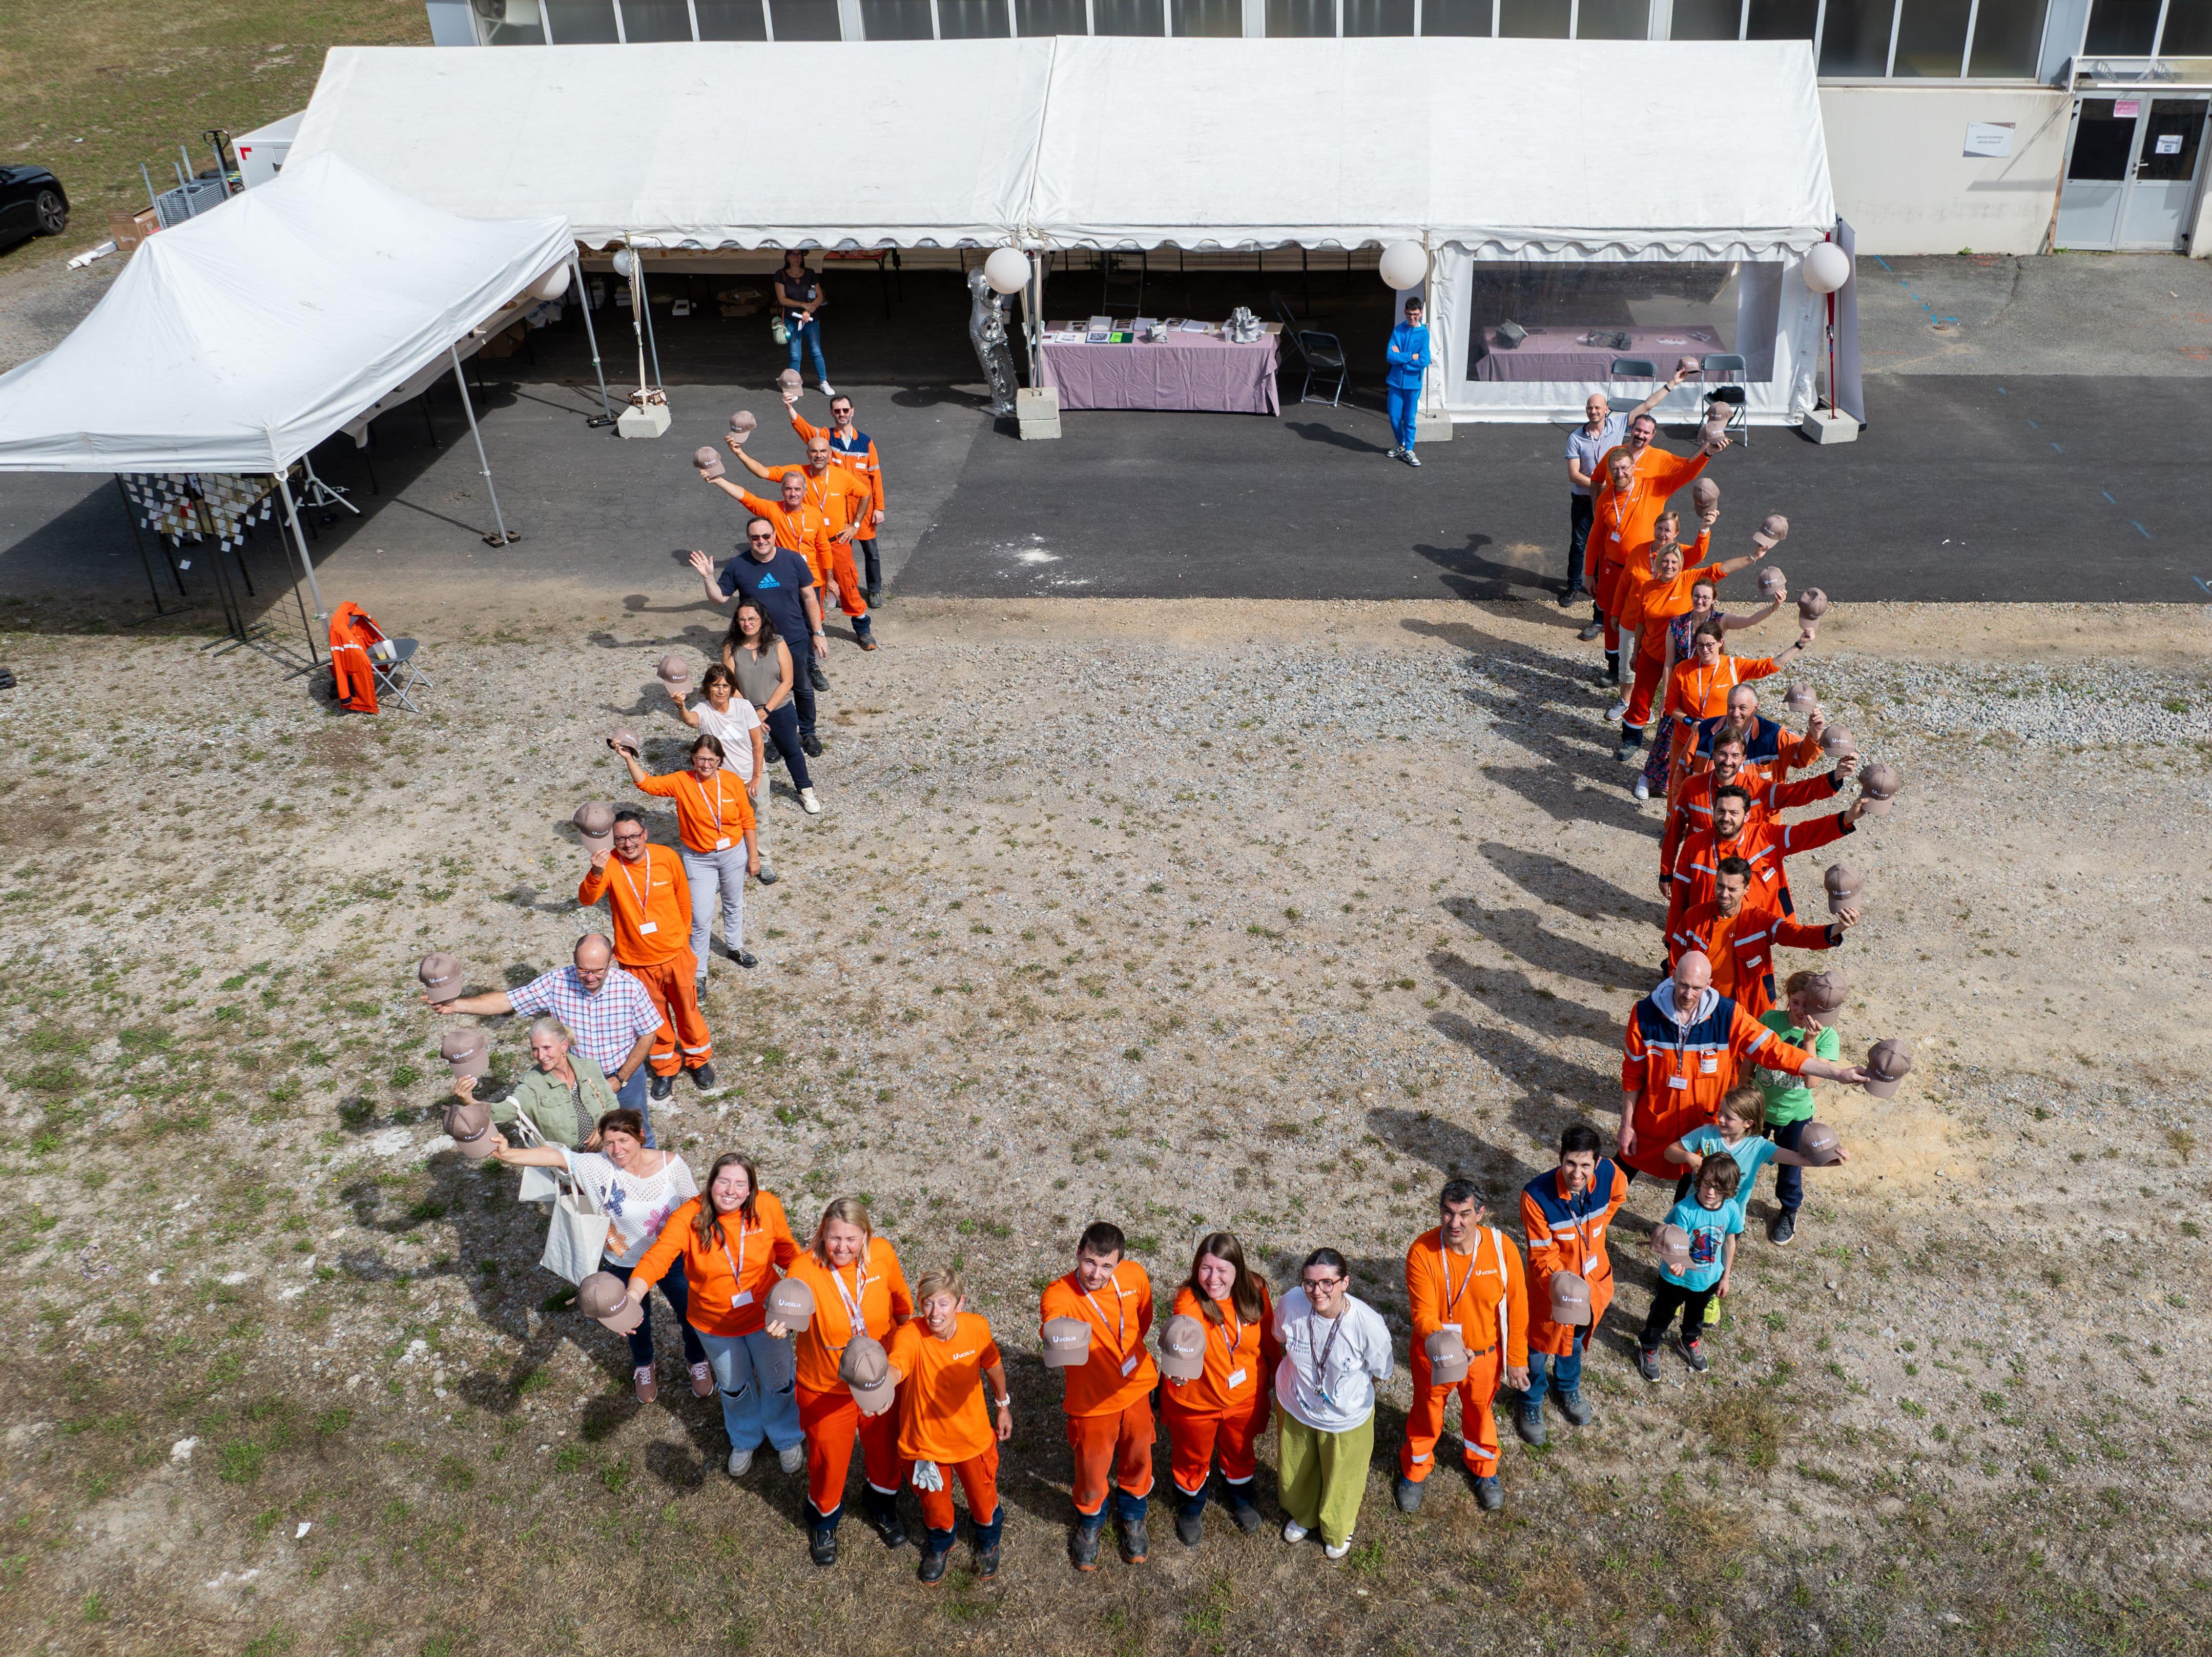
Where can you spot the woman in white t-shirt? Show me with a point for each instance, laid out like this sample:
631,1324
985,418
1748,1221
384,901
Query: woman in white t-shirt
725,715
1335,1347
637,1189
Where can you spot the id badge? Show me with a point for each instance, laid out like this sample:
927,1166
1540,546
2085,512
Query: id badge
1614,538
744,1298
1709,1064
1236,1378
722,844
650,926
1678,1081
1129,1363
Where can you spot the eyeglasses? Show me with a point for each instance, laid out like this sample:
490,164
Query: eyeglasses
627,839
760,540
1320,1282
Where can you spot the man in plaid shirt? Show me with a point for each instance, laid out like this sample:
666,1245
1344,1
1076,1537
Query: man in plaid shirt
607,1010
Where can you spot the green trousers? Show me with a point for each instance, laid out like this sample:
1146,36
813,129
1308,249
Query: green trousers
1323,1476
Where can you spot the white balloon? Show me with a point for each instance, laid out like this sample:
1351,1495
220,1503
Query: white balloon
1007,271
552,284
1826,268
623,259
1405,265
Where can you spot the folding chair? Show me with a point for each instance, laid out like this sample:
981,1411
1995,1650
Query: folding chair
1324,355
1739,421
1281,306
357,643
1632,368
392,661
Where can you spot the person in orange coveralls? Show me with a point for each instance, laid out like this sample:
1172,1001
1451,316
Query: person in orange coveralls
1462,1274
1110,1395
644,887
1565,1214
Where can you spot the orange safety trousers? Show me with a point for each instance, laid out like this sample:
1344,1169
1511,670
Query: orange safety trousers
675,994
1112,1450
1194,1437
845,578
1478,1428
829,1420
1646,687
979,1476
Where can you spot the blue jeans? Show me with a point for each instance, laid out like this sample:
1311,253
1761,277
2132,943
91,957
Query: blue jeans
631,1097
1789,1180
810,336
1402,401
1564,1371
678,1294
756,1377
784,728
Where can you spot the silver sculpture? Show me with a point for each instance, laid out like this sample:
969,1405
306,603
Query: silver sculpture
986,331
1242,328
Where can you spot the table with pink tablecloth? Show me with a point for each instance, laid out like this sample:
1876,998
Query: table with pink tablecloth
1185,371
1560,354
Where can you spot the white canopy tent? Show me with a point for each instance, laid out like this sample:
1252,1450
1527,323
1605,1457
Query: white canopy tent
1498,155
237,342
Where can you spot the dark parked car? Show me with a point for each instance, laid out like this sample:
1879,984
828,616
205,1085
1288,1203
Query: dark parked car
31,203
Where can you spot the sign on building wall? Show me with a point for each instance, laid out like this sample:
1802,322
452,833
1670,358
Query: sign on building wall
1990,138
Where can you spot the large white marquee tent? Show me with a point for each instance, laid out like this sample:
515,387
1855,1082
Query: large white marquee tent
1499,155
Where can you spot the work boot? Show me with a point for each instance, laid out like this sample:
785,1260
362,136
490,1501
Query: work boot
1190,1525
822,1544
1528,1421
1781,1227
1590,631
1134,1542
884,1517
812,745
660,1088
933,1561
1406,1493
1244,1511
1489,1494
1083,1544
703,1077
1574,1408
987,1563
815,677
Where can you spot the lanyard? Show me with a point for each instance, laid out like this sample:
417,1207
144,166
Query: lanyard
1582,1218
1620,522
1229,1343
1120,1317
643,907
856,1318
1452,1295
738,1265
713,805
1320,1358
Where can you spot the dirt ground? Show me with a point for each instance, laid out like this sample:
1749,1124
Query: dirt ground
1185,914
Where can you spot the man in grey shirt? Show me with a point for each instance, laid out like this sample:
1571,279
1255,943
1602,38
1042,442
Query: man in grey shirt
1587,444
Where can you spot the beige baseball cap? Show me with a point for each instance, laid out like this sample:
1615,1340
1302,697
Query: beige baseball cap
606,1297
1448,1359
1818,1144
1772,582
1800,698
469,1126
791,1303
441,977
623,740
1706,492
1826,991
595,821
742,421
1183,1349
1812,604
1886,1063
1688,365
709,462
1878,786
1837,740
1571,1297
468,1051
1843,883
789,378
1066,1342
1672,1245
674,670
867,1369
1772,531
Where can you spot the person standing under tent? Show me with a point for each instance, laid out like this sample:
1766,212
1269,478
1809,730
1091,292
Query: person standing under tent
1408,356
800,297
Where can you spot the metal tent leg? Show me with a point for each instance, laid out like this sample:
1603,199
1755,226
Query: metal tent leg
484,462
306,566
591,334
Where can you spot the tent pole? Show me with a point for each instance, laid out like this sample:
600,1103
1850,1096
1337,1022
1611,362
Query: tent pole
306,563
591,334
483,464
645,305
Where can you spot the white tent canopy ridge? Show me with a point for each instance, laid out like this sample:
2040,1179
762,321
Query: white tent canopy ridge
1557,185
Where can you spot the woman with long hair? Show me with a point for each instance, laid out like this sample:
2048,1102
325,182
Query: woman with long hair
730,1246
761,663
714,821
858,1289
1224,1409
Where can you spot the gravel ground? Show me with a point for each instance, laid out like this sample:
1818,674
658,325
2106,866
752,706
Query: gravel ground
1187,914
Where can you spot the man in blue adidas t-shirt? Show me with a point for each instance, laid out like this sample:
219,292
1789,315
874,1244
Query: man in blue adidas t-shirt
776,579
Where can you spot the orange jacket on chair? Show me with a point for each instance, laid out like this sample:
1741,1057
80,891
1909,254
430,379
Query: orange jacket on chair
351,634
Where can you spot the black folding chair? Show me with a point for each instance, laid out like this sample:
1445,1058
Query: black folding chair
1739,421
1324,355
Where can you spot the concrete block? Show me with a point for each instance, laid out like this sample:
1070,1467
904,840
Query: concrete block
1824,428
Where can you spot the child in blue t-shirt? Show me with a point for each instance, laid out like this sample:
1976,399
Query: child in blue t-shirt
1713,1220
1738,1131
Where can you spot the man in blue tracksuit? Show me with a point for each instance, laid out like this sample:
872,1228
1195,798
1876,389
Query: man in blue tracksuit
1408,356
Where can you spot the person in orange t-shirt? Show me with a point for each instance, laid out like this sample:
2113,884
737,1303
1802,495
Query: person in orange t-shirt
858,1288
1110,1395
729,1245
846,503
937,1362
722,844
1739,938
1634,483
855,451
1225,1409
645,888
1462,1274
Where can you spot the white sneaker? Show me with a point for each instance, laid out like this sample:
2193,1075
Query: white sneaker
1394,452
741,1463
828,390
1412,458
1294,1531
806,798
1642,789
1618,710
792,1459
1337,1550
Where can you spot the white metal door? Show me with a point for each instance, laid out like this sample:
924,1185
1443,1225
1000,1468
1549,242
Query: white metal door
2106,132
2168,153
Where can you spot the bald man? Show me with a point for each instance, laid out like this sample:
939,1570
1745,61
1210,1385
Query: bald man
1686,1046
607,1011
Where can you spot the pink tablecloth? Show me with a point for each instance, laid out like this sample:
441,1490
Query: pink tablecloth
1558,354
1190,371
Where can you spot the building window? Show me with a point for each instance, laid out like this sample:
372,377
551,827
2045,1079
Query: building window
1209,20
2121,28
1128,17
743,19
1370,17
2007,41
1613,20
1305,19
1931,38
581,22
971,20
1855,38
1707,20
890,20
1781,20
655,19
2188,32
1033,18
1456,16
805,20
510,23
1536,20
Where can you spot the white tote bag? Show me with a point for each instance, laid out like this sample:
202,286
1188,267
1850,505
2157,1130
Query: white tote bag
576,1240
539,1184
